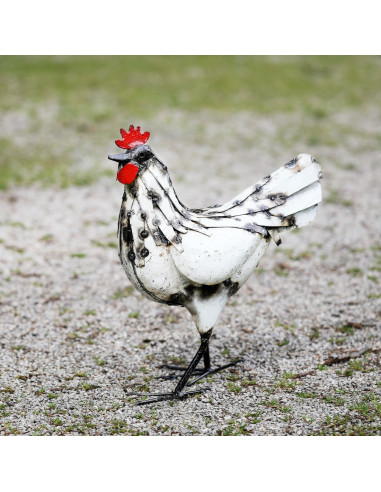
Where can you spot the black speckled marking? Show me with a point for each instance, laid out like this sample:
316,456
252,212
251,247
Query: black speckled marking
233,288
127,234
209,290
250,228
184,298
175,299
162,237
291,163
144,253
189,289
154,197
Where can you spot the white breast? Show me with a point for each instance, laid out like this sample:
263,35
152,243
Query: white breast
211,260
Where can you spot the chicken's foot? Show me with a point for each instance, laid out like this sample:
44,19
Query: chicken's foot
178,391
205,371
171,396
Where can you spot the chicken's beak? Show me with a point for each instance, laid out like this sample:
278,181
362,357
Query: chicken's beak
119,157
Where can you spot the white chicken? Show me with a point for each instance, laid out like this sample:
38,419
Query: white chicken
198,258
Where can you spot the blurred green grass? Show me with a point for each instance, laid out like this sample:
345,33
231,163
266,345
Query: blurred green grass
55,109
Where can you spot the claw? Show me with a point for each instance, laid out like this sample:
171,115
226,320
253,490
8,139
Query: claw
171,396
213,371
177,368
170,377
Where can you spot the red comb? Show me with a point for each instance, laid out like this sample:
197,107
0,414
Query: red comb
132,138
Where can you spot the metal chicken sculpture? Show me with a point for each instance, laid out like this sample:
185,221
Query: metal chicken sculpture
199,258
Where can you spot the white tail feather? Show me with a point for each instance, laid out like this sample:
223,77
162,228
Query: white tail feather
305,198
305,217
300,184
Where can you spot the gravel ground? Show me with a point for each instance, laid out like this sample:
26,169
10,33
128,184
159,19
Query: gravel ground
76,339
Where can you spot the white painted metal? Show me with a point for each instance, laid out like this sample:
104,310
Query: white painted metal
205,311
199,258
305,217
305,198
211,260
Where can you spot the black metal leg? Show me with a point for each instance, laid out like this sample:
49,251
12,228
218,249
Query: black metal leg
206,359
207,367
177,392
196,359
206,371
183,369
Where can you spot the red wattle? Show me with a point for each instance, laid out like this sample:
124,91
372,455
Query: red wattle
128,173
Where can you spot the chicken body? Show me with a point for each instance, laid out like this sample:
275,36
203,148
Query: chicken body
198,258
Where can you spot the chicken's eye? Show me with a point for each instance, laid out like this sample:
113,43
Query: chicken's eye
143,156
